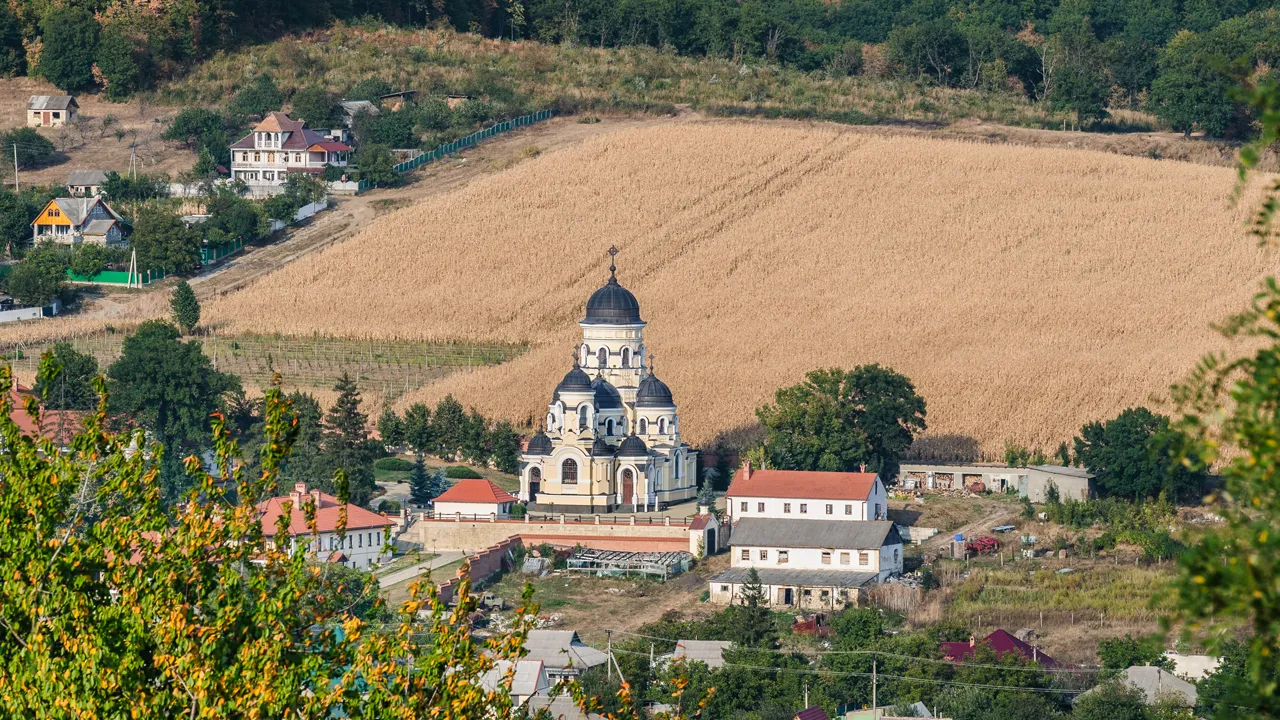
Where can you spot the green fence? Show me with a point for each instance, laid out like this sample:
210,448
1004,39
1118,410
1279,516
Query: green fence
120,277
472,139
210,255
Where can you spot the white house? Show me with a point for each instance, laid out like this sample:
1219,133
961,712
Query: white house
474,498
278,146
362,545
795,494
809,563
51,110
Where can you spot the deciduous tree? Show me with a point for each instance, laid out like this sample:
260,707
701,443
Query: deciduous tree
1131,456
185,306
70,36
67,382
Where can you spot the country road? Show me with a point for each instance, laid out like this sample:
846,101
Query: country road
410,573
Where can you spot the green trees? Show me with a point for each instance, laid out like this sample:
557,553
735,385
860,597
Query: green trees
417,428
1119,653
164,242
840,420
315,106
186,309
88,259
1132,456
116,60
347,443
504,448
201,128
257,98
13,57
1111,701
70,37
165,385
67,382
934,49
41,275
420,484
33,148
1191,92
752,618
375,164
390,427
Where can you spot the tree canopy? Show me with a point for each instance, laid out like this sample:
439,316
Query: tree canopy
1132,456
839,420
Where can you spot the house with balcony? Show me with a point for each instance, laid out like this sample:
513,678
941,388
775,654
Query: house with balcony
75,220
278,146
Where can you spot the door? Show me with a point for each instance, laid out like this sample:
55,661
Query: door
45,119
628,487
785,596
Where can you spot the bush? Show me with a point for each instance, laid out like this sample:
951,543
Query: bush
393,464
33,148
257,99
389,507
518,510
461,472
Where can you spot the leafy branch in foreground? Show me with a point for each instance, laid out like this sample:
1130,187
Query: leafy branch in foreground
1229,582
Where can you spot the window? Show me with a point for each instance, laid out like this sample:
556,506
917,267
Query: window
764,554
535,477
844,558
759,507
57,114
626,357
786,507
582,418
895,556
848,509
271,157
804,507
662,426
825,595
608,426
360,541
878,517
807,592
864,558
257,157
783,556
644,426
603,357
746,554
743,506
826,557
830,508
55,212
569,472
724,588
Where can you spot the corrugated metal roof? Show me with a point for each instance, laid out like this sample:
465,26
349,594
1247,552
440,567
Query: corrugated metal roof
1062,470
51,102
528,678
86,177
561,708
710,652
854,534
557,649
798,578
98,227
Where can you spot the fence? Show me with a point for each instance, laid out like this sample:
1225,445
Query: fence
120,277
31,313
472,139
211,255
561,519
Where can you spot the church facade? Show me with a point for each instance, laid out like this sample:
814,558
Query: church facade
612,438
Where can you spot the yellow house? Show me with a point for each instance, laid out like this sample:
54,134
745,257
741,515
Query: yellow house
70,221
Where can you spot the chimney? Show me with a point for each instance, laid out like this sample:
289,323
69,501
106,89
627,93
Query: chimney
746,469
299,489
972,641
315,497
704,510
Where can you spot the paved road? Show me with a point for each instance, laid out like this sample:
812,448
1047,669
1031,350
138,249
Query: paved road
409,573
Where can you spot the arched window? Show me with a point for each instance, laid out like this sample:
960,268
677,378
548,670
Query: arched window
535,479
569,472
677,465
608,426
644,426
662,426
551,421
582,418
603,357
626,357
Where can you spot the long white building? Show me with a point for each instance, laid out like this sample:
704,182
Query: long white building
362,544
796,494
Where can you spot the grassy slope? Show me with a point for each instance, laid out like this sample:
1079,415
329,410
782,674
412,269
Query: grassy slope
524,75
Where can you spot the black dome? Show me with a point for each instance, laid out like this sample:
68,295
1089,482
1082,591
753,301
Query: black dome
612,305
632,446
600,448
574,381
539,444
607,396
653,393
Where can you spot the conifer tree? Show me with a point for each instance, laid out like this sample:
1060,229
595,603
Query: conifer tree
755,622
420,483
186,309
347,441
391,427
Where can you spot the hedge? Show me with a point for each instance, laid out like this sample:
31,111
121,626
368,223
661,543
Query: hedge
461,472
393,464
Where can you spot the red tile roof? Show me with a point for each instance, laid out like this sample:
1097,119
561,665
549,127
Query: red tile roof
812,713
476,491
327,508
699,522
300,138
331,146
58,425
802,484
1001,642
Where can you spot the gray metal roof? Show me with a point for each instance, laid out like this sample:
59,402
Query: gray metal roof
557,649
97,227
856,534
51,102
352,107
1062,470
1156,683
75,208
798,578
86,177
527,680
710,652
561,708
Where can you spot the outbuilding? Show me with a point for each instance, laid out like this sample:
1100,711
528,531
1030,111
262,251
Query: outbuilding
474,498
51,110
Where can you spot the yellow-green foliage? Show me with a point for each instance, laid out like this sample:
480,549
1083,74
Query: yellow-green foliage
1122,591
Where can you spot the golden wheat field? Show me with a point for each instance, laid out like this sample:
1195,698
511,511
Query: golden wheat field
1024,290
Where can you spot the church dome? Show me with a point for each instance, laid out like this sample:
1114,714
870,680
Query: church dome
600,448
653,393
612,305
632,446
575,381
607,396
539,444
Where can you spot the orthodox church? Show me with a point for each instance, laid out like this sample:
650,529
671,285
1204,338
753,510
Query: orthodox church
612,438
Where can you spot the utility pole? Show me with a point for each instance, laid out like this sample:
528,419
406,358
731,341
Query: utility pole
650,656
609,664
133,162
806,693
873,685
15,168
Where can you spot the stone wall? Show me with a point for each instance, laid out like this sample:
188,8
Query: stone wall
481,566
613,533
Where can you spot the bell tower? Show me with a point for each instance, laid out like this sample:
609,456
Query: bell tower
613,335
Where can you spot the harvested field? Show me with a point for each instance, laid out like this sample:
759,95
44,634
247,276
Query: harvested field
1024,290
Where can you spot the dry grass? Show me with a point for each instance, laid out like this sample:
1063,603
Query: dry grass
1024,290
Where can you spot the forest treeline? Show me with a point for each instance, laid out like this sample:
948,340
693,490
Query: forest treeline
1175,58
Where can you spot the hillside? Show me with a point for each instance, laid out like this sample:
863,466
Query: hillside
1024,290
